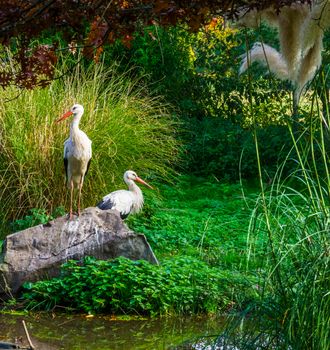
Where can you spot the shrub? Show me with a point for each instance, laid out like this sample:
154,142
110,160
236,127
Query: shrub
227,151
198,73
164,58
35,217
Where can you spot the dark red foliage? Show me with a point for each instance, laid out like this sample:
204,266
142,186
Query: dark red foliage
22,21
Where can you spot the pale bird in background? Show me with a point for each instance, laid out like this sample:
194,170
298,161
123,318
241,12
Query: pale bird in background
125,201
77,154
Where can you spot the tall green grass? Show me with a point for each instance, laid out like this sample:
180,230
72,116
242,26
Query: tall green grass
294,216
295,305
129,129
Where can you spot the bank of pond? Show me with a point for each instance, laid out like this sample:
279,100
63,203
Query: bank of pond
59,331
230,277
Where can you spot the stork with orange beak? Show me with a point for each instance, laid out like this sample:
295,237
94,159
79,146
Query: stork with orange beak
77,154
125,201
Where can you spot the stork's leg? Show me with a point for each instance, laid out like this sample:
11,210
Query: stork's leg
79,195
71,198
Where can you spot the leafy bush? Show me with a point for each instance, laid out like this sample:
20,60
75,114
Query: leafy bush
163,58
128,128
180,286
36,217
227,151
198,73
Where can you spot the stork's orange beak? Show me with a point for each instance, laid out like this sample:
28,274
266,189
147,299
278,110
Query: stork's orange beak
143,182
64,116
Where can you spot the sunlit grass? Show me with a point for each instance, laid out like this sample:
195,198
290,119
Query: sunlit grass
294,305
129,129
294,214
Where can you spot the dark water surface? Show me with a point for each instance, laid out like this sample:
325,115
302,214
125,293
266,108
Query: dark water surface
50,332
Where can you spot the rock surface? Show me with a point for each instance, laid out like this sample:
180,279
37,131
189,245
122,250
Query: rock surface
38,252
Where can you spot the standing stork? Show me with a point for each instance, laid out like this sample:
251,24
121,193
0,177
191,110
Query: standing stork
77,154
125,201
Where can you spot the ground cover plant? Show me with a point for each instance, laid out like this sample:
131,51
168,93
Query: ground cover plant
178,286
200,242
204,218
35,217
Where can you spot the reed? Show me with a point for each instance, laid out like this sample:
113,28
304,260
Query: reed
292,217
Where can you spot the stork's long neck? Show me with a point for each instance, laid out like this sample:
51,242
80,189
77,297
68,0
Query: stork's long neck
74,128
135,189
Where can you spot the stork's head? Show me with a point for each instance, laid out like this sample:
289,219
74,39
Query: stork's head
76,110
131,175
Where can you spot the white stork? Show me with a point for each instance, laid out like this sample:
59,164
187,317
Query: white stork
125,201
77,153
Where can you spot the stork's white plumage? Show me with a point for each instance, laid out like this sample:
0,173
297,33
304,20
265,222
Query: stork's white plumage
125,201
77,154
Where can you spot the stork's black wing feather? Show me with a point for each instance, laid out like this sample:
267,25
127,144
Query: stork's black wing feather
105,204
123,216
88,165
66,167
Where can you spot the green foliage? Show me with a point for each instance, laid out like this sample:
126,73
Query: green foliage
197,231
224,149
198,73
164,58
222,142
129,130
36,217
181,286
202,218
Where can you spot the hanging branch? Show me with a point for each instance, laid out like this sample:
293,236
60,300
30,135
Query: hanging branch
95,24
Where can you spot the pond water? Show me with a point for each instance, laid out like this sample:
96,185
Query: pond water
53,332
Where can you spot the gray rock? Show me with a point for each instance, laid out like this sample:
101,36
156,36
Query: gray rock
38,252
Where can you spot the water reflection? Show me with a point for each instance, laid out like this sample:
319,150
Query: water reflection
54,332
